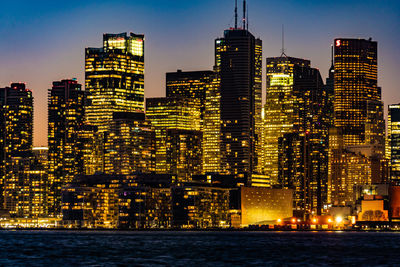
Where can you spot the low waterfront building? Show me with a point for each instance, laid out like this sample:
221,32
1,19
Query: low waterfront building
118,201
200,206
265,205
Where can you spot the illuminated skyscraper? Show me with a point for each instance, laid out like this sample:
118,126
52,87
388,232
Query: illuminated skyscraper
114,78
171,113
189,84
66,117
129,145
281,112
34,186
296,131
358,118
90,145
393,144
184,153
16,108
202,86
358,107
212,160
238,62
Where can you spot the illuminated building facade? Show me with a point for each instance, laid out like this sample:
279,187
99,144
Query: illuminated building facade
358,107
90,145
171,113
356,146
330,91
189,84
280,112
202,86
16,108
260,205
200,206
91,201
118,201
146,203
238,62
114,78
350,166
34,187
66,117
184,153
393,143
295,136
212,128
129,145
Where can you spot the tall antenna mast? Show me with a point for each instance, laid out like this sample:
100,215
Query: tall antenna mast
332,56
236,14
247,18
283,41
244,14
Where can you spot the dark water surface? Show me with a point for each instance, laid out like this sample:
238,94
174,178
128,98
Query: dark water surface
64,248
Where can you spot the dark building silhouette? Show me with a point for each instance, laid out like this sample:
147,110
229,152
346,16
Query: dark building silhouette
238,62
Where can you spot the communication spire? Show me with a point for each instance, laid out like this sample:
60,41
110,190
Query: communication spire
332,56
236,14
247,18
283,42
244,14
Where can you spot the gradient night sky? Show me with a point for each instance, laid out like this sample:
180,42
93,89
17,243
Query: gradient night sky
44,41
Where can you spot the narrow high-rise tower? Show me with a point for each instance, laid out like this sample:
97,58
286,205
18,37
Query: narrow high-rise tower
393,143
16,129
66,117
238,60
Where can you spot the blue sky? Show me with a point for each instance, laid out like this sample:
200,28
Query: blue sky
44,41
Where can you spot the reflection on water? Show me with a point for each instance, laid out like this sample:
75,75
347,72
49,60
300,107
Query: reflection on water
63,248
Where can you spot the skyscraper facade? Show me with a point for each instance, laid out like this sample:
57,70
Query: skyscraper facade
16,110
280,113
184,153
171,113
189,84
238,62
129,145
358,107
201,86
212,159
66,117
393,144
296,132
358,119
114,78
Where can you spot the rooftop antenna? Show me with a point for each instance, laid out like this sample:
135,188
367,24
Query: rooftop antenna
247,17
332,56
244,14
283,42
236,14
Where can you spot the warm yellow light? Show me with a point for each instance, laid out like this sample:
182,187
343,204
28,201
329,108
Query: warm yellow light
293,220
339,219
279,220
314,220
329,220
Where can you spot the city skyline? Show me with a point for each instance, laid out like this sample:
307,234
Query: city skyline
44,55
